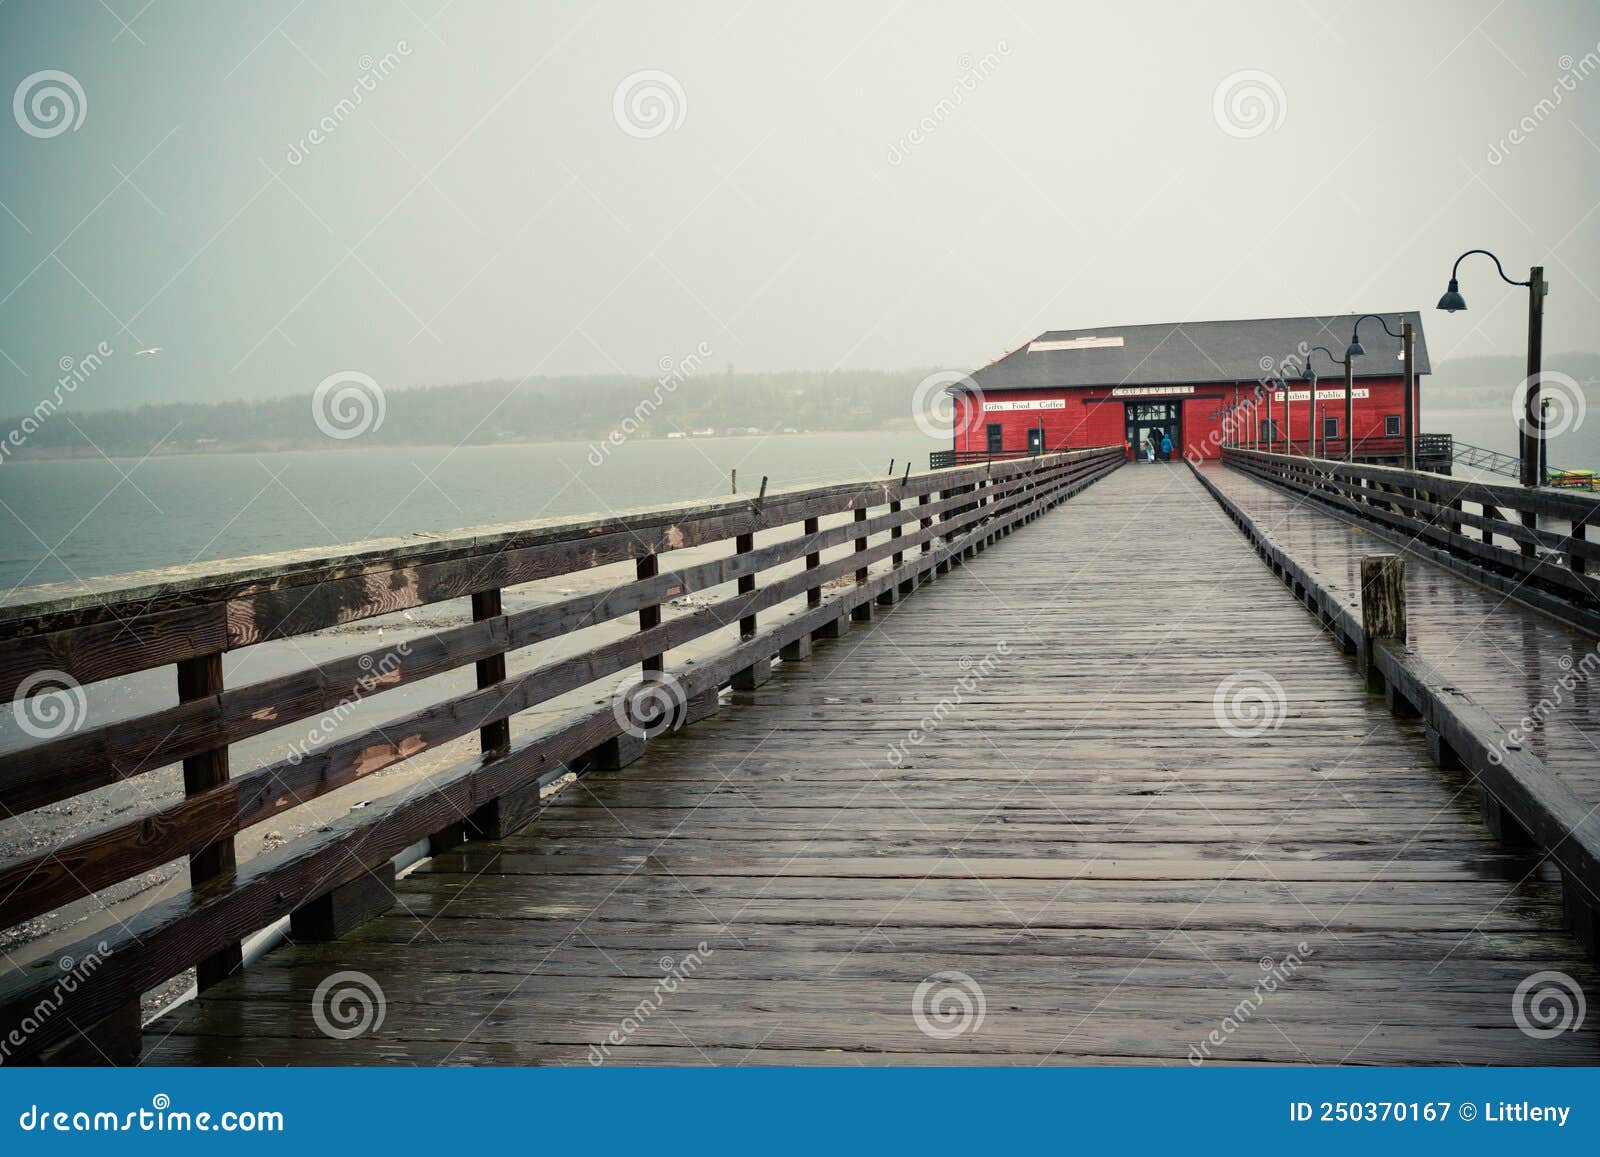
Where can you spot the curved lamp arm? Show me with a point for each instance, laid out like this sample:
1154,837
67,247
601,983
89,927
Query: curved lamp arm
1454,269
1325,350
1355,333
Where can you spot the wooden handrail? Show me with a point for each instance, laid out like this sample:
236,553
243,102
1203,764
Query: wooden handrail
188,617
1553,569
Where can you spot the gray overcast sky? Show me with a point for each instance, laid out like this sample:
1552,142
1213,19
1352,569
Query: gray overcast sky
484,211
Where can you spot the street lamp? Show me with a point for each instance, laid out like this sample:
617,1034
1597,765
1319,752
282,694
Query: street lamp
1282,383
1407,409
1530,440
1310,375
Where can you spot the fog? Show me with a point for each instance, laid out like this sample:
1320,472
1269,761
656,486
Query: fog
429,192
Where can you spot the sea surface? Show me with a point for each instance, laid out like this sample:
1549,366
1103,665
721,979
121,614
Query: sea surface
80,519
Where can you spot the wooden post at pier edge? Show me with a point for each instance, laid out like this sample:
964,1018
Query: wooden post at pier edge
1383,609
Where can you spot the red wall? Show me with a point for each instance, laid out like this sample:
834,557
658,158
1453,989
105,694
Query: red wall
1080,423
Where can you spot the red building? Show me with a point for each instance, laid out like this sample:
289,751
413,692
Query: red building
1193,382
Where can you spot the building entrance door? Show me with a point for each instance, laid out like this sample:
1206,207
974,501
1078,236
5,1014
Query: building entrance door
1150,420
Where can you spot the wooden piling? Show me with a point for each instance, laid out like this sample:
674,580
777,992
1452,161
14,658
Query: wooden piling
1383,610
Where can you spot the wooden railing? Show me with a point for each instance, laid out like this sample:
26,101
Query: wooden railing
944,459
893,533
1429,448
1523,802
1532,542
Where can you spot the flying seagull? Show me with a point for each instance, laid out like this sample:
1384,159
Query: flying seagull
149,353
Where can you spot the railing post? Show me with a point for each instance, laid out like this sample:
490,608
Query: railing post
891,594
623,749
1383,610
744,544
1580,534
813,560
862,612
493,738
505,815
800,648
759,671
200,678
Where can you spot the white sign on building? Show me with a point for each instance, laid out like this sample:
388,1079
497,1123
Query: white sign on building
1040,404
1322,395
1142,391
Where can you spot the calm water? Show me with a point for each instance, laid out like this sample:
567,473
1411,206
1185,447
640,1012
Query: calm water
1493,427
80,519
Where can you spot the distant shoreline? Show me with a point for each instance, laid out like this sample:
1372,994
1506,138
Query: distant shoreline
360,446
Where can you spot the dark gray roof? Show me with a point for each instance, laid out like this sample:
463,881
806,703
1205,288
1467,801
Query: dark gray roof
1198,351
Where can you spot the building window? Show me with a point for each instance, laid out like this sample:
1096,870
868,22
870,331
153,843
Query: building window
1391,425
996,438
1330,427
1269,430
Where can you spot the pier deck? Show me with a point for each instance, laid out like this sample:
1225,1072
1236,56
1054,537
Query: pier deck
1077,839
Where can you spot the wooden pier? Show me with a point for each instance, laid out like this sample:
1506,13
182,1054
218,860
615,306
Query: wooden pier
1040,761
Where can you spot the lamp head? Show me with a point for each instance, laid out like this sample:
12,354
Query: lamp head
1308,374
1354,350
1452,301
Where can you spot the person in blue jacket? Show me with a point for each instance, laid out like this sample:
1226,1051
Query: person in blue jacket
1166,447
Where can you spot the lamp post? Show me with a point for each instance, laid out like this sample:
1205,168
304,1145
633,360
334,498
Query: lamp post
1407,412
1288,418
1310,375
1530,440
